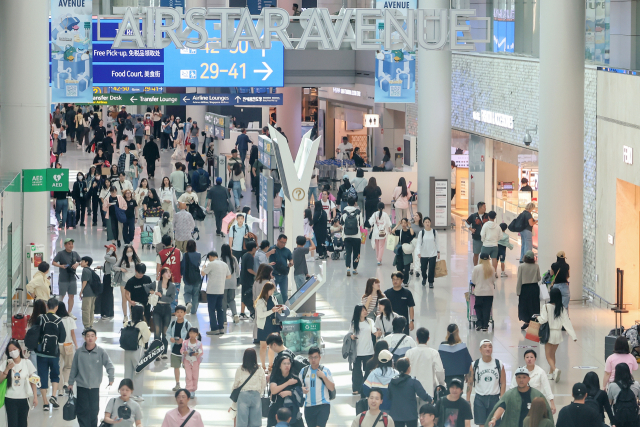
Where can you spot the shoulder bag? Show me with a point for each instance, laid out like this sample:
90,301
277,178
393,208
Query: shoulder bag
544,332
184,423
236,391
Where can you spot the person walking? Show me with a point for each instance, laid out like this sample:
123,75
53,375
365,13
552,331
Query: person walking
140,193
483,286
129,227
179,179
286,392
282,261
384,320
488,377
490,235
426,364
87,293
561,273
230,284
125,400
380,224
352,223
237,233
114,227
621,354
79,195
183,416
86,373
538,415
372,296
454,355
371,194
401,300
404,390
242,144
169,256
251,379
191,358
527,289
300,270
597,396
165,290
399,342
577,413
151,154
61,206
156,114
344,193
475,223
537,378
320,230
374,416
184,225
263,275
52,333
247,278
527,234
39,287
237,175
190,271
359,183
404,259
18,372
400,199
132,357
380,378
67,261
361,331
555,314
167,197
266,307
219,204
178,332
137,290
427,251
127,266
453,404
317,385
217,272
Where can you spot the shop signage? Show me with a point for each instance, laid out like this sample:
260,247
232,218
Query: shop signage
344,91
464,189
34,180
165,26
441,200
371,120
627,155
492,118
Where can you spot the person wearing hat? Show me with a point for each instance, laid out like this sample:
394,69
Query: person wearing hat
218,203
67,261
527,233
527,289
483,286
488,377
427,415
514,405
380,378
577,413
452,410
123,410
561,273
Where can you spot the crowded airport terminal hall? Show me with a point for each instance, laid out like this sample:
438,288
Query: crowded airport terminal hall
328,213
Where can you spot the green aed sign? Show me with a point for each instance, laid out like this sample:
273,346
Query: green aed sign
34,180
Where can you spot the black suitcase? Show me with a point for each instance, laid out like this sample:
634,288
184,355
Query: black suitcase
71,219
610,341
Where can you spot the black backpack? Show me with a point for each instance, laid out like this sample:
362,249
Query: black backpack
592,401
49,332
199,160
298,363
191,271
129,337
351,223
626,407
518,224
96,283
32,337
203,181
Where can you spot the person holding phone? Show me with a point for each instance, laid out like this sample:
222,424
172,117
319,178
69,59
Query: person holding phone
115,412
266,308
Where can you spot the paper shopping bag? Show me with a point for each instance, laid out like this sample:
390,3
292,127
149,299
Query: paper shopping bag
532,331
441,268
392,241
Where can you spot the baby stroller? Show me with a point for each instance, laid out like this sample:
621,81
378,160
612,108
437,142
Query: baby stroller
335,246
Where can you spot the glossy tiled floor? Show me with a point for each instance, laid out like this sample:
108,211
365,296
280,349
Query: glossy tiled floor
435,309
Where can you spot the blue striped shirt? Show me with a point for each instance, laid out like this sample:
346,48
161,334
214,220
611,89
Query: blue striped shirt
318,392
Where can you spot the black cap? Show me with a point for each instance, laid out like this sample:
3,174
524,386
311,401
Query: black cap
456,382
579,390
484,256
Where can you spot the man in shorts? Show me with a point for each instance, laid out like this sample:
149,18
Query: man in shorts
475,222
488,377
67,261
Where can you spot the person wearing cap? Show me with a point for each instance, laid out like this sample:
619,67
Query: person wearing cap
381,377
527,234
483,286
451,410
537,378
514,405
218,203
488,377
527,289
427,415
87,369
104,301
67,261
577,413
374,417
561,273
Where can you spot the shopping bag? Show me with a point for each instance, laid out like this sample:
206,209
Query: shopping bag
69,408
532,331
392,241
227,220
544,292
441,268
265,400
243,185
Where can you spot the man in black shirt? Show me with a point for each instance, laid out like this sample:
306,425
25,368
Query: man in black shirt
107,149
401,300
526,186
475,222
578,414
137,290
247,276
560,269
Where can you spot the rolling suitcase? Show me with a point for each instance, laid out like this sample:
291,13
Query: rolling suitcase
71,219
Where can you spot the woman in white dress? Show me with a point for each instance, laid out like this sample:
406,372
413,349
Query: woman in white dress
380,229
139,195
179,152
167,196
557,317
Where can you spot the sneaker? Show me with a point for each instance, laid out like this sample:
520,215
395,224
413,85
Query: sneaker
73,317
220,331
406,285
61,392
236,319
478,329
503,274
424,282
355,272
379,263
189,308
485,329
54,402
417,274
430,285
348,272
177,387
556,375
215,332
550,376
125,319
45,408
243,316
165,357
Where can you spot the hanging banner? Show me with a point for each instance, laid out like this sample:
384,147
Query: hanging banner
71,51
395,77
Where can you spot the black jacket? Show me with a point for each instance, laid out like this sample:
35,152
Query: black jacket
150,151
403,390
79,190
219,198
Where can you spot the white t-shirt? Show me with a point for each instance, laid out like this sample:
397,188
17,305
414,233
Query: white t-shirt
20,373
344,154
69,326
486,377
314,181
328,207
364,343
217,272
385,325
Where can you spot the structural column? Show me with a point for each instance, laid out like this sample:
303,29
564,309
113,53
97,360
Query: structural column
24,92
289,116
434,111
196,112
562,42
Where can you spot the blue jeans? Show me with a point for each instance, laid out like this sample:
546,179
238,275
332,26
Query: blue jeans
527,243
243,155
299,279
237,192
283,283
44,365
62,206
313,194
174,303
217,316
134,182
129,230
192,295
564,290
249,409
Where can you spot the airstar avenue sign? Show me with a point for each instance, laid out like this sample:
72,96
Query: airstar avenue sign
419,28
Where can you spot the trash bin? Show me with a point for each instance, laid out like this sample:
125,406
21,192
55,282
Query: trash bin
291,334
309,333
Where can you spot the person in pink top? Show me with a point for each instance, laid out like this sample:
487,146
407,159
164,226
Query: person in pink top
191,357
182,416
621,354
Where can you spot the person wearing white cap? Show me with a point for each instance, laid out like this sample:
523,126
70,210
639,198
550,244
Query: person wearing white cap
380,378
488,377
537,378
514,405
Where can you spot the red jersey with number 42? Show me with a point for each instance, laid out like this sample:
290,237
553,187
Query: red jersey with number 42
170,258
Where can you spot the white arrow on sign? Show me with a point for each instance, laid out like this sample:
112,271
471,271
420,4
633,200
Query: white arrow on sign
133,99
268,71
184,99
238,99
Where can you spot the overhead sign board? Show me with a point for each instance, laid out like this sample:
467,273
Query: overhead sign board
217,125
34,180
134,98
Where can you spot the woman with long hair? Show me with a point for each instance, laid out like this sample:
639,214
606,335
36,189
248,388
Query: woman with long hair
17,372
68,347
417,226
167,196
283,385
454,355
371,194
129,227
263,275
165,289
79,194
359,183
308,227
191,292
621,354
624,381
373,362
385,159
230,284
104,301
140,193
483,285
557,317
372,295
538,414
114,227
266,307
403,260
362,329
320,230
236,176
252,378
527,289
592,382
179,152
380,224
400,199
156,115
384,321
561,272
114,173
380,378
127,265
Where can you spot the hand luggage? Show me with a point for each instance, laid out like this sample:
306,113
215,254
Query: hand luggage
71,219
19,326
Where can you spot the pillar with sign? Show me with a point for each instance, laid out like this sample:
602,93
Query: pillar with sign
266,155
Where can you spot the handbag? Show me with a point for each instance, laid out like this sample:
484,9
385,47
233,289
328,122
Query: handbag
392,242
545,332
121,214
441,268
532,331
243,185
236,391
265,400
69,409
544,292
116,279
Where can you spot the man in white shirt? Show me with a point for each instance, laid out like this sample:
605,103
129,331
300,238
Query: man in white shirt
426,364
122,184
488,377
217,273
343,152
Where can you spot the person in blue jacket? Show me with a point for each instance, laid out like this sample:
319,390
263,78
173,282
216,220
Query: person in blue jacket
381,378
403,390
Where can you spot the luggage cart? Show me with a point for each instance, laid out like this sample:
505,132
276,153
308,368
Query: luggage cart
471,311
146,236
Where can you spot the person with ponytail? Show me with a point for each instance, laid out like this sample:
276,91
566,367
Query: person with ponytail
454,355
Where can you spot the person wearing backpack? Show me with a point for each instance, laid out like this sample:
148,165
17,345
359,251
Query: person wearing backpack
352,222
399,342
134,336
623,394
343,192
91,287
236,236
427,251
487,376
527,233
52,333
579,414
190,271
319,389
597,398
374,417
201,183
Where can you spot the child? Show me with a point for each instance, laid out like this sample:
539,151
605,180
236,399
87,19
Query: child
283,416
192,356
131,357
503,244
336,233
86,293
178,331
300,271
